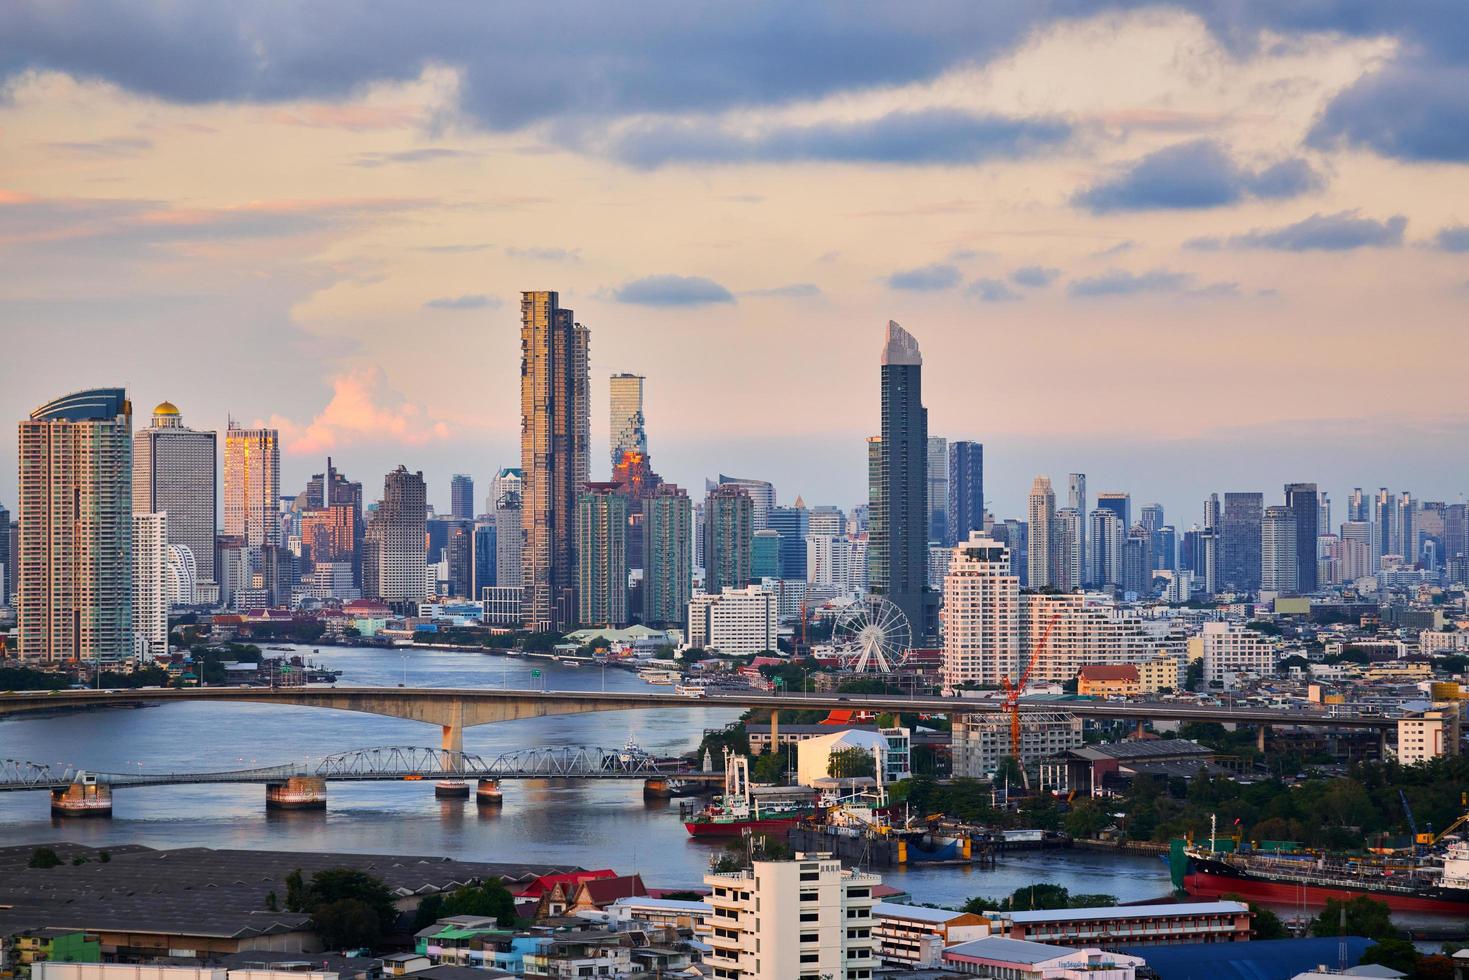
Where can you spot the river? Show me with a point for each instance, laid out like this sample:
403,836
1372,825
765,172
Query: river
586,823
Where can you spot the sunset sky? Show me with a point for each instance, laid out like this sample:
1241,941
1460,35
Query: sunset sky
1179,249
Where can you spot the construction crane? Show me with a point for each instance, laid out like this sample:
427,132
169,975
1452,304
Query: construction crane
1015,690
1413,824
1432,839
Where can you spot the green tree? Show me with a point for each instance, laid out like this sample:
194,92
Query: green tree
769,767
429,911
295,892
103,857
1194,675
1396,954
1086,819
1040,895
349,923
683,896
1364,917
43,857
1265,924
489,900
850,763
270,902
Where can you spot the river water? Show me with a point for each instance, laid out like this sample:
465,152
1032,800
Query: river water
587,823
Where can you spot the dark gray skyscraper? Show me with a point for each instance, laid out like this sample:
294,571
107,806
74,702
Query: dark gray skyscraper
1239,541
1304,503
900,496
966,490
461,497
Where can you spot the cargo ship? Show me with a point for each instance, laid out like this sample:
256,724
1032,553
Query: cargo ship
739,811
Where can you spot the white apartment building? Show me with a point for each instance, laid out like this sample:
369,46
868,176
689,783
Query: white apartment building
1087,630
981,614
734,622
1429,735
1233,654
1431,642
805,919
150,574
915,936
979,741
181,577
835,562
939,559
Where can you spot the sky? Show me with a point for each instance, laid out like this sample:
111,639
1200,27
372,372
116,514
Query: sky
1181,247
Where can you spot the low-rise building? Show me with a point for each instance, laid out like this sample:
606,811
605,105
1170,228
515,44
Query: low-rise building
1233,655
915,935
1130,925
1104,680
981,740
736,622
1098,770
1429,734
890,745
1014,959
669,912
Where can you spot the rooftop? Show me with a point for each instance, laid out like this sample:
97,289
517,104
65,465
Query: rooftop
1128,911
1009,950
1261,959
1154,748
917,913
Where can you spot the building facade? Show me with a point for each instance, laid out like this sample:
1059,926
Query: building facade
150,585
1239,542
174,472
397,536
252,485
729,532
1233,655
626,427
668,555
461,497
1041,515
966,490
601,529
736,622
1278,536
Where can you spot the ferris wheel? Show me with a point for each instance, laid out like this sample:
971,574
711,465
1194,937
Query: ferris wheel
873,634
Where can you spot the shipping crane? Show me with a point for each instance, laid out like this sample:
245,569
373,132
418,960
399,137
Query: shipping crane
1413,824
1015,690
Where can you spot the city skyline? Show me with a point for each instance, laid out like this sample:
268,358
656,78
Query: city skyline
1118,209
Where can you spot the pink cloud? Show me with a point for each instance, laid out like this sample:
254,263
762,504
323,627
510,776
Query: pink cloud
356,118
362,408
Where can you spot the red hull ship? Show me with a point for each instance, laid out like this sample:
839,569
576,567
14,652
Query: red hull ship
737,812
737,828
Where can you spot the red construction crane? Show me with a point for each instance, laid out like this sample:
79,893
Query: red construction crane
1013,691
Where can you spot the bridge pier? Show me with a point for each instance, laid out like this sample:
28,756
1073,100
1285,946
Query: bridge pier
453,741
83,798
657,788
296,793
487,793
1260,731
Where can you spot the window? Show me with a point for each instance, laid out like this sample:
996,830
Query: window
810,876
810,916
810,937
809,896
810,957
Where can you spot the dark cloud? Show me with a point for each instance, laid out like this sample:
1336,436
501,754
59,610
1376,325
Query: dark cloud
538,254
991,291
928,278
1118,282
1454,238
1034,276
672,291
1408,111
1338,232
930,136
469,301
795,290
1199,174
425,154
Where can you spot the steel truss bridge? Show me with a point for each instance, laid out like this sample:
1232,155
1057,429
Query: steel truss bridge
394,762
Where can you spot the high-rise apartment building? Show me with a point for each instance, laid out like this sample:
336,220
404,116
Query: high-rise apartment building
938,489
7,566
601,530
252,485
981,614
1104,549
765,555
1359,506
760,492
1165,548
1067,535
1304,502
396,538
1118,503
729,530
805,919
899,497
461,497
1405,540
1384,524
668,555
627,428
1279,569
174,472
1239,542
1076,500
554,431
1137,564
826,521
74,562
1151,517
1041,515
966,490
150,592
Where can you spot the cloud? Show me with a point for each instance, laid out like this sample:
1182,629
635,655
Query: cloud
361,409
117,146
426,154
544,254
670,290
1338,232
1454,238
927,278
1412,110
469,301
1034,276
930,136
355,118
795,290
991,291
1118,282
1195,175
457,249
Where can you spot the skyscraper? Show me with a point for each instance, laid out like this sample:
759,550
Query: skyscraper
900,497
1119,504
174,471
1137,569
1359,507
75,513
627,427
601,528
761,493
252,485
793,524
1239,542
668,555
1279,568
966,490
1104,550
554,429
150,599
938,489
1405,539
7,567
461,497
1384,523
396,538
1305,503
1041,515
1076,500
729,529
1066,537
765,555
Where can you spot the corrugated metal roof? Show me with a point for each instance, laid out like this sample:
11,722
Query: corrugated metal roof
1128,911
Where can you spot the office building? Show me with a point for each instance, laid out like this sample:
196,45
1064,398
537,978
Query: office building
760,492
1119,504
180,577
966,490
728,537
1279,571
1165,548
826,520
1232,655
804,919
554,432
1239,542
1107,537
626,428
601,530
1151,516
174,472
1137,564
395,540
1354,551
1384,524
458,560
485,556
1076,500
834,563
1304,501
765,555
938,490
461,497
1359,506
1041,515
150,593
898,488
668,555
793,524
1405,540
252,485
736,622
74,582
1067,534
7,565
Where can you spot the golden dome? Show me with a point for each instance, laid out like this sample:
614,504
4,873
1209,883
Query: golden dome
166,408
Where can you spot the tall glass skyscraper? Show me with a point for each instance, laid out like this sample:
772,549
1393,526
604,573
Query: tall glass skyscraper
75,554
1239,541
626,428
461,497
1305,503
668,555
252,485
601,529
966,490
174,473
898,487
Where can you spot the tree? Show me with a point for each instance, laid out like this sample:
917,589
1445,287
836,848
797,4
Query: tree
429,911
1194,675
1041,895
295,892
1364,917
769,767
43,857
103,857
489,900
1086,819
349,923
1397,954
270,902
350,908
684,896
1265,924
850,763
